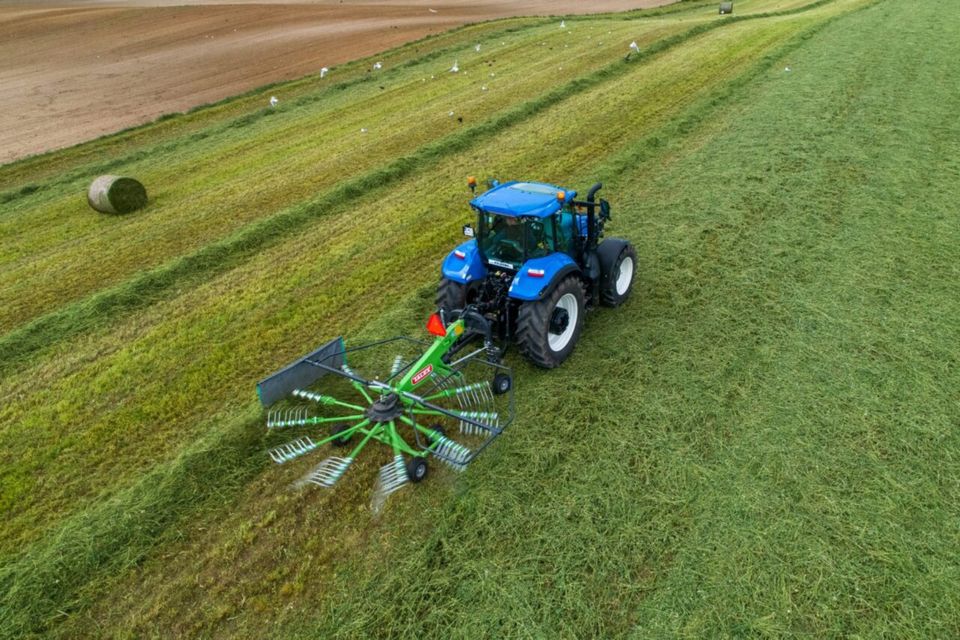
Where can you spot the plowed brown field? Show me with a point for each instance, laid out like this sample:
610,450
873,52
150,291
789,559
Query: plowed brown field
73,72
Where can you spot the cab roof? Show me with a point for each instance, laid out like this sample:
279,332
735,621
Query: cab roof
516,199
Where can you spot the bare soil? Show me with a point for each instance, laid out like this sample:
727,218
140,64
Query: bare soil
73,72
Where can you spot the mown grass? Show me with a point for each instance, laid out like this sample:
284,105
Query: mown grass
717,471
299,150
63,402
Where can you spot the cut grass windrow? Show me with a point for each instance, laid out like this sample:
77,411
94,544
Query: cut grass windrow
116,534
146,288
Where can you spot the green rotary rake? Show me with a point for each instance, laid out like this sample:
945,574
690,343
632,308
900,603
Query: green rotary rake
427,403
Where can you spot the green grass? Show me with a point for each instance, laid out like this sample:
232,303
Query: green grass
761,442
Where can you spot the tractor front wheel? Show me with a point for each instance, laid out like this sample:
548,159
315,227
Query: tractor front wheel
548,329
618,263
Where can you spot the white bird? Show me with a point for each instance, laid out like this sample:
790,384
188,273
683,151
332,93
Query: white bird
786,68
634,46
377,65
456,67
323,71
432,10
563,24
483,88
477,48
492,74
363,130
450,114
273,101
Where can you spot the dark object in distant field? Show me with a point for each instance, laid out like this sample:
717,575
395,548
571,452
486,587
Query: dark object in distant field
116,194
725,8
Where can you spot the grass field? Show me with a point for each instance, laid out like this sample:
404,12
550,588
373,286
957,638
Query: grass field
762,442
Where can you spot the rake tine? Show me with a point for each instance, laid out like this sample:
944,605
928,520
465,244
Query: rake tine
480,416
451,453
296,417
392,476
327,472
487,392
397,364
291,450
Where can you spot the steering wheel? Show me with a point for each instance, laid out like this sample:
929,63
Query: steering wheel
514,248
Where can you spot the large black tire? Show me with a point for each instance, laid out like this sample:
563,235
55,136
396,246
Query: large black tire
618,265
451,295
539,320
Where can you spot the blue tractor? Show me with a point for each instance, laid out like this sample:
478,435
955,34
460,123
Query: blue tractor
533,265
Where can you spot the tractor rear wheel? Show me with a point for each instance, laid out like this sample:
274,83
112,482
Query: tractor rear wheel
451,295
548,329
617,271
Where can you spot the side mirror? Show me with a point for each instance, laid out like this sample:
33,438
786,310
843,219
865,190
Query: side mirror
604,209
468,231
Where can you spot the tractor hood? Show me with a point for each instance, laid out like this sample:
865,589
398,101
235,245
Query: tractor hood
516,199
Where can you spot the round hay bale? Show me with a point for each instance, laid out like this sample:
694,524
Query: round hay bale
116,194
726,8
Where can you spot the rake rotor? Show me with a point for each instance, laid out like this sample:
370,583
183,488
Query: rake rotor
424,406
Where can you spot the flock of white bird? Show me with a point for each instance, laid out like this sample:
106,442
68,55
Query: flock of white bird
377,66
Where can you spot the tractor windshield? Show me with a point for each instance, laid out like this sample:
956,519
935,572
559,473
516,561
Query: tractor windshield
509,241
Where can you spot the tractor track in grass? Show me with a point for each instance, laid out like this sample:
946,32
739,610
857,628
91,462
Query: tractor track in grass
57,546
100,308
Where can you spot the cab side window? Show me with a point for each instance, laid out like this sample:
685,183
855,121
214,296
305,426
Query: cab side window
565,233
540,237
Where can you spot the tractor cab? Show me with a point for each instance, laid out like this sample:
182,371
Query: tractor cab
521,221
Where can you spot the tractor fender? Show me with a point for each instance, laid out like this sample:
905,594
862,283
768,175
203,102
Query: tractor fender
555,268
467,268
607,252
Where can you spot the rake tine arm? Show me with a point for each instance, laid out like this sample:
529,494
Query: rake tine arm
320,398
368,433
434,410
